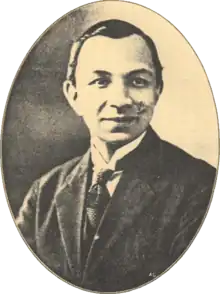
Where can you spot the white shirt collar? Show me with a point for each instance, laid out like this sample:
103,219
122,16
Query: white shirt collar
97,153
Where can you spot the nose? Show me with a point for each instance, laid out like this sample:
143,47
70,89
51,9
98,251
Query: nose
119,96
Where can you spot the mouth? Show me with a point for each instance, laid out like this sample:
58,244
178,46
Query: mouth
120,119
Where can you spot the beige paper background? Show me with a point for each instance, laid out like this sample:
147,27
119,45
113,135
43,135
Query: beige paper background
186,114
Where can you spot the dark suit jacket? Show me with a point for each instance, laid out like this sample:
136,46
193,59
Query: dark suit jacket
156,210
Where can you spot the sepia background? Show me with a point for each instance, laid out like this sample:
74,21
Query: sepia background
41,131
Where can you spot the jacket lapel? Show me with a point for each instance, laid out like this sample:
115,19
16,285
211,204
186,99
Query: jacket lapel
134,193
70,204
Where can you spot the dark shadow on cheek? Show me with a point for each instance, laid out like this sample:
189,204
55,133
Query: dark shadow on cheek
141,107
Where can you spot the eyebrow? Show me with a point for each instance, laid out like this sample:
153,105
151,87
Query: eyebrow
102,72
140,71
133,72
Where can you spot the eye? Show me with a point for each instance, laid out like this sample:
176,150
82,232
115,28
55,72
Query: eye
101,82
139,82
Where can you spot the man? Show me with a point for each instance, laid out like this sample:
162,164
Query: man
120,215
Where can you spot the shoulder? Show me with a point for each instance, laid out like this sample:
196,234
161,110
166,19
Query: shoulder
39,198
190,181
58,174
185,166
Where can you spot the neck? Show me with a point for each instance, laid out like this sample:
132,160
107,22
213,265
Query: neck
108,149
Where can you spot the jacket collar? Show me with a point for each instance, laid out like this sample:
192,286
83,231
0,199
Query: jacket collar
70,206
135,191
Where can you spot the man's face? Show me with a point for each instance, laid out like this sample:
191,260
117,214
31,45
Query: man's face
116,89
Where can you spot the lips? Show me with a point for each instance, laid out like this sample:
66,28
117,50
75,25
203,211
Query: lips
120,119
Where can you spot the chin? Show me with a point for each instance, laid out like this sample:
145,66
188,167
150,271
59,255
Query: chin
118,138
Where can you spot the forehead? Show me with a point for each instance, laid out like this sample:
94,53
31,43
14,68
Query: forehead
114,55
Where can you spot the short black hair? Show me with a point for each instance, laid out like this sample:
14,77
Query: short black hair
114,29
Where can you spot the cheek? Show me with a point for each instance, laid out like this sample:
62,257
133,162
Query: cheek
88,103
91,95
146,97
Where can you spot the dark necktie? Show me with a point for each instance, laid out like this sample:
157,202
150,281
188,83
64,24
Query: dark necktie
98,198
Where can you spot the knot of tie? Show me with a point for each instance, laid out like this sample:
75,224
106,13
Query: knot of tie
103,176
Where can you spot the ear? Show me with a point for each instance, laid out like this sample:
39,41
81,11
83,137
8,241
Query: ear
159,90
70,93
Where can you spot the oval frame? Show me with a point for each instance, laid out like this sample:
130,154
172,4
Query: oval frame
34,43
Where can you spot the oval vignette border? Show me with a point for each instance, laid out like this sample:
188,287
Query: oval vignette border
163,12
